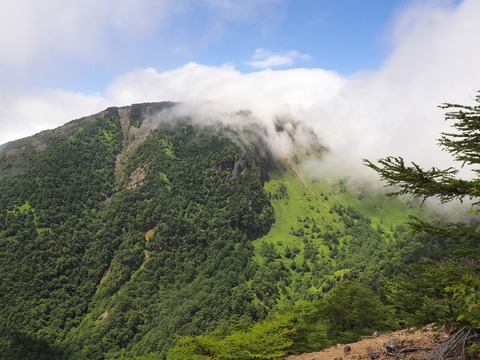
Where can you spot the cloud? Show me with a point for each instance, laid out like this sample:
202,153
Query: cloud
54,36
264,59
264,92
244,10
29,113
432,62
390,111
33,32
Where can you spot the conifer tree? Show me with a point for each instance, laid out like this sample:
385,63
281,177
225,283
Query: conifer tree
464,145
463,240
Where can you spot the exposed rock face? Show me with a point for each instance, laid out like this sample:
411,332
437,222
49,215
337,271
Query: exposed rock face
239,167
137,178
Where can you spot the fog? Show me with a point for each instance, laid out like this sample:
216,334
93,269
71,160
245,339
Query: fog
392,110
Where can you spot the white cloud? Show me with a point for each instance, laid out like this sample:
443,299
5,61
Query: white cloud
264,59
266,89
29,113
34,32
433,62
47,34
391,111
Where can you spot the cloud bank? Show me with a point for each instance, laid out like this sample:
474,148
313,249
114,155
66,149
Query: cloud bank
390,111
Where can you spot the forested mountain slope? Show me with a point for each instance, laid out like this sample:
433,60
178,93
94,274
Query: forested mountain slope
124,235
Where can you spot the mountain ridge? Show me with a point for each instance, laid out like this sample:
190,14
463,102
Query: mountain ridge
126,233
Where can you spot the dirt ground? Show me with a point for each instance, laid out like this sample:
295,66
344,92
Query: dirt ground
374,348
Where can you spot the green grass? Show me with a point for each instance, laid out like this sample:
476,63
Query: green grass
26,207
383,210
316,201
305,215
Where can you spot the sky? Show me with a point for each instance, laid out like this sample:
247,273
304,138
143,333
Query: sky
367,76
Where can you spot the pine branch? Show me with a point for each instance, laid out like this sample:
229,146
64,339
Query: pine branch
422,183
465,144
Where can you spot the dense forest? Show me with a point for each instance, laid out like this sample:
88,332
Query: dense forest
123,236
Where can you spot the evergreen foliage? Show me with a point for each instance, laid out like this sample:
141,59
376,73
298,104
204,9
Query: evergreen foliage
463,145
268,339
100,257
351,310
448,286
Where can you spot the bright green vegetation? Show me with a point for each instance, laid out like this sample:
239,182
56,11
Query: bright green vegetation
325,233
118,241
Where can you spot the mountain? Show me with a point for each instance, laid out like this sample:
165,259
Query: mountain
139,232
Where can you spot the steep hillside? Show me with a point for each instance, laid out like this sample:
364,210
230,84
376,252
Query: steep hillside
324,232
133,233
106,225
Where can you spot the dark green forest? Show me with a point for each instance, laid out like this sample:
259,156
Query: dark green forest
126,237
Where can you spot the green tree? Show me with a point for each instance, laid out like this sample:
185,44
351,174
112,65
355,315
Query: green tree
351,310
269,339
462,240
435,182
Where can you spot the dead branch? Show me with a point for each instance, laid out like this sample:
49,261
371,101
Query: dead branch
403,351
454,345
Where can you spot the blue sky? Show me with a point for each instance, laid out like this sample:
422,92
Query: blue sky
363,74
345,36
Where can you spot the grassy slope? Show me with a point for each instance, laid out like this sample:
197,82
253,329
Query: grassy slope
304,206
298,204
320,197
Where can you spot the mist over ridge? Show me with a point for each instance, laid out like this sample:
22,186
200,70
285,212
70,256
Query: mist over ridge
391,110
